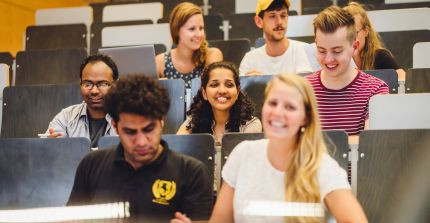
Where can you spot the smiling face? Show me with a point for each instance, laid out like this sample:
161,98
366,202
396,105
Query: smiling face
274,24
192,33
97,72
221,90
283,112
140,138
334,51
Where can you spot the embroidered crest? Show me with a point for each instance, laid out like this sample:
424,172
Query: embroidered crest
163,191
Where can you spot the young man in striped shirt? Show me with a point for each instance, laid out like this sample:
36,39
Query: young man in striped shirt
342,92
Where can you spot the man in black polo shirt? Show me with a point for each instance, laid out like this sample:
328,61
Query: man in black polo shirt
142,169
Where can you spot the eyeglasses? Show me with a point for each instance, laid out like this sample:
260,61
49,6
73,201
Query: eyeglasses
362,28
88,85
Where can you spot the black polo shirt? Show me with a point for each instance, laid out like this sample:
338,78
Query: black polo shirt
173,182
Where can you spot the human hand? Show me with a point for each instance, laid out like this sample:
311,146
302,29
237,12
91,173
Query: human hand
53,134
253,73
180,218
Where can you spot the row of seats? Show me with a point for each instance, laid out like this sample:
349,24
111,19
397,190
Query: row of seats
61,66
108,33
27,110
43,169
34,106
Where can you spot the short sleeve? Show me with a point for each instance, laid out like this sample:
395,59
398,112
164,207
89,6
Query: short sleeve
244,65
231,168
331,176
303,64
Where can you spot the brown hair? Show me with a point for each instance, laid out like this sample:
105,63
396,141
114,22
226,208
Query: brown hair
178,17
301,176
372,42
333,18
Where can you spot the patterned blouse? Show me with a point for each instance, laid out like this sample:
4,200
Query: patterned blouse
171,73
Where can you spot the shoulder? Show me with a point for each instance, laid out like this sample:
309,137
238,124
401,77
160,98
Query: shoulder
159,60
331,176
371,81
298,44
96,158
257,51
313,78
249,148
382,53
385,60
213,55
253,125
73,111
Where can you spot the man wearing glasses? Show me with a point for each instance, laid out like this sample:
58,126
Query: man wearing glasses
88,118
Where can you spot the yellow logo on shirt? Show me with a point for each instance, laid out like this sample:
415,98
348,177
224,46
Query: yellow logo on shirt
163,191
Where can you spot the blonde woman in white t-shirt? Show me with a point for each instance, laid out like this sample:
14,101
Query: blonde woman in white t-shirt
291,165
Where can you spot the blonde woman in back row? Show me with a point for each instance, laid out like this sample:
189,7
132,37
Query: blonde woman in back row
370,54
192,53
290,165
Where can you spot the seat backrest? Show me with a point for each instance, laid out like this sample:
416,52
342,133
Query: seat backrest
176,114
96,32
199,146
402,111
68,15
38,172
243,26
421,55
132,12
56,37
389,76
212,27
136,35
253,87
59,66
404,52
4,78
6,58
232,50
417,80
336,141
385,157
4,82
27,110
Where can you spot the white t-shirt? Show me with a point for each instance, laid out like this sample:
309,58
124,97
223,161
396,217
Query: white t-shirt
250,173
294,60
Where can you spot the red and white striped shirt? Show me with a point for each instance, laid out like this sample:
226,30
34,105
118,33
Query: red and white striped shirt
347,108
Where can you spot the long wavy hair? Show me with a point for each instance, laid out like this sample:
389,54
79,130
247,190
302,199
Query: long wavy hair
201,113
301,173
178,17
372,41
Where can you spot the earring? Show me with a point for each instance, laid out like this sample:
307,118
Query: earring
302,129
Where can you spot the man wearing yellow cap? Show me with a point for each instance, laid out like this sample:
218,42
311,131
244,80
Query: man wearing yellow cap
279,54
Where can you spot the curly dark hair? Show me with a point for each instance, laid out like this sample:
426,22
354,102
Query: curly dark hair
137,94
100,58
201,111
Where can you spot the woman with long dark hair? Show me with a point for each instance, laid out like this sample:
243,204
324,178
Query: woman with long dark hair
219,105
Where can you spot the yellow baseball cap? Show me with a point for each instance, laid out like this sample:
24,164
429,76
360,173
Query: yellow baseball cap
264,4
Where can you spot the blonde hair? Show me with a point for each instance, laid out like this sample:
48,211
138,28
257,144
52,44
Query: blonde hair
301,173
178,17
372,42
333,18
